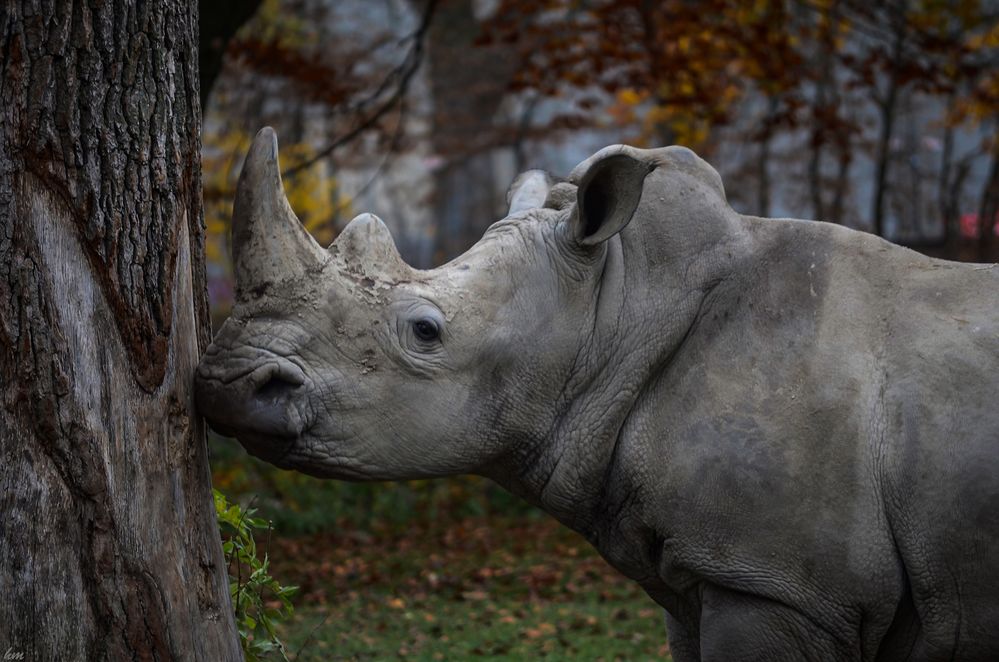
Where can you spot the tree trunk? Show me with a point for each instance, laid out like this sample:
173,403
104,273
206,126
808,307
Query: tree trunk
887,110
816,148
947,193
764,184
882,159
989,207
468,83
822,130
110,547
649,11
842,183
218,22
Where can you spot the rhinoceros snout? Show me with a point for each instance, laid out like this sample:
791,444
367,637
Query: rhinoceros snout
260,405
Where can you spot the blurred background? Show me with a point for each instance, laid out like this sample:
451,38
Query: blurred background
880,116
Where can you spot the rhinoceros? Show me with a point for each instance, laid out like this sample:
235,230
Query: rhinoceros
787,432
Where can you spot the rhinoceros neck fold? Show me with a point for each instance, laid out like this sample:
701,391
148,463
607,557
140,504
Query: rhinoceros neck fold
635,335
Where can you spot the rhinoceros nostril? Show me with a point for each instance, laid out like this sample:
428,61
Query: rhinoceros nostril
276,380
277,386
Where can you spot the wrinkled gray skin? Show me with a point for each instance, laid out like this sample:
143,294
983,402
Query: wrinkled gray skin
786,431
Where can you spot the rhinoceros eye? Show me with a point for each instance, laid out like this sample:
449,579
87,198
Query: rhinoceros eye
426,330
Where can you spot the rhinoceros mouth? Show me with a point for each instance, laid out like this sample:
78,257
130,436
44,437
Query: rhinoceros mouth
268,448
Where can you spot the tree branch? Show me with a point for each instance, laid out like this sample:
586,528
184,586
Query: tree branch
403,74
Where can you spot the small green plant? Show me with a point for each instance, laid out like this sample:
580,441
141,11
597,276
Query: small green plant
258,599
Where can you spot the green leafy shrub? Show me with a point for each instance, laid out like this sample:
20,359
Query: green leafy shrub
258,599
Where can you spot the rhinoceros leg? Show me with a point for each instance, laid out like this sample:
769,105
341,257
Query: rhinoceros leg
683,644
741,627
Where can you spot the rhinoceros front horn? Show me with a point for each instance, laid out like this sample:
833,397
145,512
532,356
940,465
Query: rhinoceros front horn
269,244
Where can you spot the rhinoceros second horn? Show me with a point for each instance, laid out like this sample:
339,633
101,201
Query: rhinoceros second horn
366,245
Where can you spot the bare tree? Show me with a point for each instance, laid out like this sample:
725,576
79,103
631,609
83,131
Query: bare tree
468,83
886,103
988,208
111,550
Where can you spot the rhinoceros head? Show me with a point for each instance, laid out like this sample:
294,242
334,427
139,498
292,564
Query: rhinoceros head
346,362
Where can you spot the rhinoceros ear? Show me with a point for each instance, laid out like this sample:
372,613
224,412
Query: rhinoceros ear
609,189
528,191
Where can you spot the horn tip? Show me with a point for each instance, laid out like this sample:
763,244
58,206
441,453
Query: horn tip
265,144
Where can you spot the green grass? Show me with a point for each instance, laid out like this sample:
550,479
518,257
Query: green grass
504,589
298,504
435,570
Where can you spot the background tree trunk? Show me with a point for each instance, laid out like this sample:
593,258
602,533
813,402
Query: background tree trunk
218,22
110,547
468,83
988,210
887,110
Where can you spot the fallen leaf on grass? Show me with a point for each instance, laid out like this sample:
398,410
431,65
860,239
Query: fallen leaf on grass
475,595
543,629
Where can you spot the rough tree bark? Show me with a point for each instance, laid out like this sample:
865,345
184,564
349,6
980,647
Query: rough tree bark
110,547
